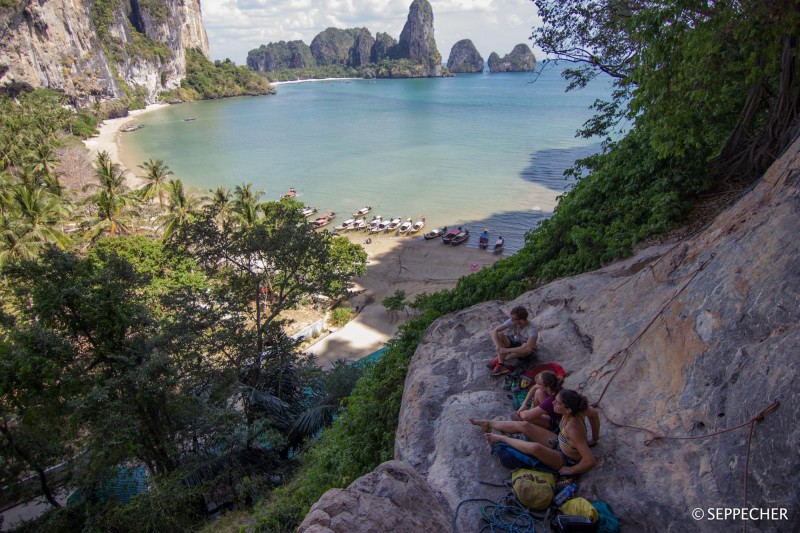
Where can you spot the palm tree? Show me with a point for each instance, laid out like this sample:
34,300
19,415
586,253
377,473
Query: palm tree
114,200
156,175
182,208
34,223
246,203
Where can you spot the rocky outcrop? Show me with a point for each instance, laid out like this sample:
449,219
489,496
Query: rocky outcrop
686,339
416,40
521,59
95,49
280,55
333,46
385,47
379,501
361,51
464,57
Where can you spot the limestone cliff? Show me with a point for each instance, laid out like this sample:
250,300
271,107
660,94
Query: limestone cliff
521,59
94,49
687,339
414,55
464,57
280,55
416,40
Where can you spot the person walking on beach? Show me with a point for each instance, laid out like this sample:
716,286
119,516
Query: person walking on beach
513,339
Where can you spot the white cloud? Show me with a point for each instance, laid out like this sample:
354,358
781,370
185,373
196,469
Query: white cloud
237,26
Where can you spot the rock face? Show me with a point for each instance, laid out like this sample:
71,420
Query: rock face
521,59
416,40
464,57
690,337
280,55
384,48
83,46
333,46
357,48
393,497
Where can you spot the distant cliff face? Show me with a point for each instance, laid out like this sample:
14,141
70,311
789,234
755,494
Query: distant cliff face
356,47
521,59
416,40
464,57
384,47
280,55
94,49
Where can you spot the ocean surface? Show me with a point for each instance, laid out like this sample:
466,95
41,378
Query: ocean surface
475,150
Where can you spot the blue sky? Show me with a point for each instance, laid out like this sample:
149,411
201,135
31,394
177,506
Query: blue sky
237,26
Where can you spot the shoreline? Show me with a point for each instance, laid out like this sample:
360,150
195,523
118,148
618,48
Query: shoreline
107,140
310,80
410,264
395,263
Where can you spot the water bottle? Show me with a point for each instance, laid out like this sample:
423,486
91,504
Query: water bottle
565,494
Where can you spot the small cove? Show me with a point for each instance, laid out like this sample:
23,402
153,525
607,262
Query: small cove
477,150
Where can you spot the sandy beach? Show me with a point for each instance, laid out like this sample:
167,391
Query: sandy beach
108,140
411,264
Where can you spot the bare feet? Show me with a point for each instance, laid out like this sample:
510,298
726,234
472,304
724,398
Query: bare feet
492,438
484,424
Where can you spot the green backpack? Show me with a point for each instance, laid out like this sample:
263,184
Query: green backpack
533,488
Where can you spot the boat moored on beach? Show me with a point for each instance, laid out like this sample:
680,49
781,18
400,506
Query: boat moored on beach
323,220
435,234
360,224
483,242
447,237
308,211
394,224
418,225
460,238
498,246
363,211
405,226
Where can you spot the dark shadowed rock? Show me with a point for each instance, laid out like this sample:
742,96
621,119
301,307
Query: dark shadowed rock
416,40
362,48
394,497
279,56
464,57
521,59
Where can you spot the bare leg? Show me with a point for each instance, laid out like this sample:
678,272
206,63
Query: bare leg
500,339
546,455
534,433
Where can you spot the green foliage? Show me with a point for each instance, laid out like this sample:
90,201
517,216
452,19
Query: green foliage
396,302
84,125
312,73
206,80
341,316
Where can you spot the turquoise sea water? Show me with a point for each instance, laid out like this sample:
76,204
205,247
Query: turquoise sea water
481,150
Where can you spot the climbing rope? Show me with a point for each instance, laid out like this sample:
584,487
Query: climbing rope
750,422
507,515
626,349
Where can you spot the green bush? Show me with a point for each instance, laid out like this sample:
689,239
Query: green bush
341,316
221,79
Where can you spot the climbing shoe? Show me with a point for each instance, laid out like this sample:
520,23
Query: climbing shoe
500,370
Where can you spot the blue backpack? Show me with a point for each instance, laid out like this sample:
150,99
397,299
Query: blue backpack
608,522
514,459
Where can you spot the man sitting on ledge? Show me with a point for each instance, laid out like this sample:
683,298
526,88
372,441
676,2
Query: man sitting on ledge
513,339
